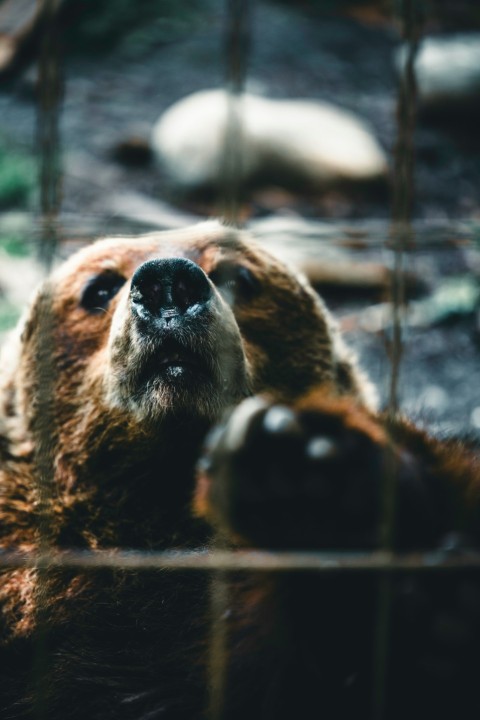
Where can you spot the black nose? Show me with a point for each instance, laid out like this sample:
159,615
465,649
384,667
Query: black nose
167,288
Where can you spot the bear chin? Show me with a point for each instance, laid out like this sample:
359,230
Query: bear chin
179,382
176,391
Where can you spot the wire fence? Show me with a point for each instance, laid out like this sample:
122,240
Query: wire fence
326,562
384,563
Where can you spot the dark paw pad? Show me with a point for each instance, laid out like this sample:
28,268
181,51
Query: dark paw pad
296,479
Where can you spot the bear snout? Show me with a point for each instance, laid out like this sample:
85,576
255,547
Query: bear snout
165,292
174,344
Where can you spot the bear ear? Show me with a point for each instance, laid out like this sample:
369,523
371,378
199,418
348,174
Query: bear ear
26,328
34,315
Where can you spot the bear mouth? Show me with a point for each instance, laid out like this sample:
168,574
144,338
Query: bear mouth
180,363
174,363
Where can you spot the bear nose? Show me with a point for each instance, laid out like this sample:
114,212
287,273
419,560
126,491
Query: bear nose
170,287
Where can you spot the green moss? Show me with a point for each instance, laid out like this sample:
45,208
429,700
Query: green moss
15,245
16,233
17,178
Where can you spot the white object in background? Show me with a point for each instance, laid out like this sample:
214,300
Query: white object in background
312,142
447,70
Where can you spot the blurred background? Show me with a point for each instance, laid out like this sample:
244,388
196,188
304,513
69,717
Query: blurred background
344,133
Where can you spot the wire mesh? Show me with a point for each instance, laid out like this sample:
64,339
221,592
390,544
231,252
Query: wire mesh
220,562
402,238
325,562
50,93
237,44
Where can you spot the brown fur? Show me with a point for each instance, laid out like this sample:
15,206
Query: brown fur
98,442
100,433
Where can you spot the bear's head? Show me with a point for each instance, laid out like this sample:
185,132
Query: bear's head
135,346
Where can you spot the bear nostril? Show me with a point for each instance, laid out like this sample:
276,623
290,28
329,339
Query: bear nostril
169,287
183,295
151,296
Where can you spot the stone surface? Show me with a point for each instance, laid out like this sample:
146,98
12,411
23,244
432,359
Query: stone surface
448,71
299,142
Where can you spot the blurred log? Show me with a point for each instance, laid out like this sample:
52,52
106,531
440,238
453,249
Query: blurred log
19,30
344,274
21,23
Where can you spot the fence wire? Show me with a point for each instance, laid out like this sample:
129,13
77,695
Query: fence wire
402,239
325,562
238,20
237,38
50,94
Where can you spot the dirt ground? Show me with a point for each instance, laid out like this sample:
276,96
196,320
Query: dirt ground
118,95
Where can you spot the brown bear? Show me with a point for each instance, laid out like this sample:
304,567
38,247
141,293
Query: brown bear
129,354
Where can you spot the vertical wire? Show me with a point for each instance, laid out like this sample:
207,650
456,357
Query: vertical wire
44,431
403,188
401,235
50,94
237,48
218,647
50,90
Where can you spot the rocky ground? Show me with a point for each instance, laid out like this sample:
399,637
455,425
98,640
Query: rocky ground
117,95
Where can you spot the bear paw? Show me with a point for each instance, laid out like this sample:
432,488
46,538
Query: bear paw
282,478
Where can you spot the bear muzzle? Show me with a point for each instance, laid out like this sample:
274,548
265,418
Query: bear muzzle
170,301
175,343
168,292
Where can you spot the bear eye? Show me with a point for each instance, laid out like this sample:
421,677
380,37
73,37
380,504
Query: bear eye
235,282
99,290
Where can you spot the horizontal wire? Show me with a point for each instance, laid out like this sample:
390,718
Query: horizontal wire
271,561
